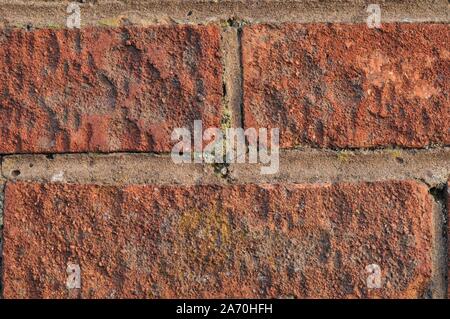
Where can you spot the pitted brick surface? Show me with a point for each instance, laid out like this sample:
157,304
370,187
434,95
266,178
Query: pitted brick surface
348,86
217,241
106,89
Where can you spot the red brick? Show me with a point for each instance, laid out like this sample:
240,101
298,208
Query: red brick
344,85
217,241
100,89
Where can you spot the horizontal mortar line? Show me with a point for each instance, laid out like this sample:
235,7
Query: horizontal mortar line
216,22
303,148
3,155
168,12
431,167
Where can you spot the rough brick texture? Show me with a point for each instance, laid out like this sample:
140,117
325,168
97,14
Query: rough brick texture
217,241
103,89
340,85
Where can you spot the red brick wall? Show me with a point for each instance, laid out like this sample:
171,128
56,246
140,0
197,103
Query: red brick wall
364,133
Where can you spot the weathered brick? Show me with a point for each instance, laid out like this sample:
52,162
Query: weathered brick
102,89
217,241
344,85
